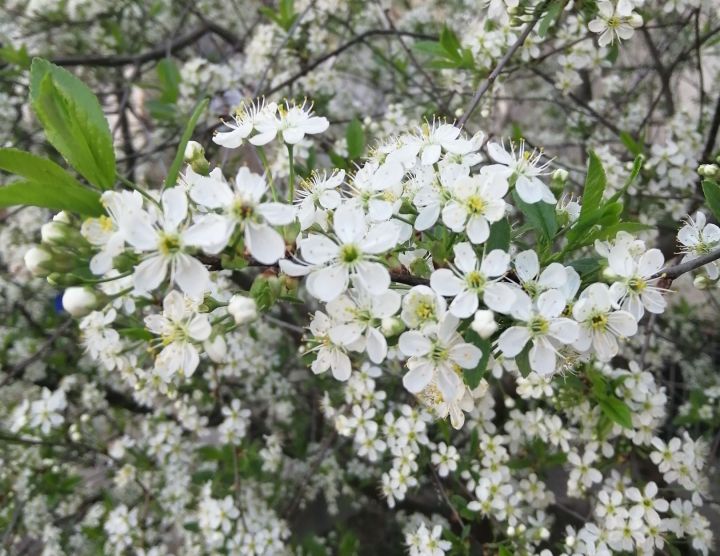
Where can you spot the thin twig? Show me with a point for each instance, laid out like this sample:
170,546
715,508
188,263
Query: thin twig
501,64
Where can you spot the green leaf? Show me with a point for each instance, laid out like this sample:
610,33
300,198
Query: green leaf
632,145
73,121
504,551
429,47
474,376
170,78
499,236
712,195
522,360
616,410
355,135
550,16
450,43
348,545
587,265
136,334
595,183
634,173
541,216
171,179
51,195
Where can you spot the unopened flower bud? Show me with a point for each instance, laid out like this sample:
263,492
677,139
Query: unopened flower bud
708,170
243,309
195,156
216,349
560,175
63,217
702,282
55,232
484,323
37,261
608,273
80,301
391,326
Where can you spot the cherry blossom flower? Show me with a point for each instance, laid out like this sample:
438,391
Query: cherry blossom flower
435,354
469,279
242,207
613,22
180,328
543,326
164,241
699,238
600,325
351,251
329,354
636,291
243,123
477,202
525,167
316,196
292,122
359,316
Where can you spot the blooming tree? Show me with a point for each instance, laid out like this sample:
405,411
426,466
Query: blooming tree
319,291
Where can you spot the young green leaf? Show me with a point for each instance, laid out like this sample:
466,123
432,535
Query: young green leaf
616,410
712,195
46,184
51,195
171,178
355,136
541,216
595,183
499,236
73,121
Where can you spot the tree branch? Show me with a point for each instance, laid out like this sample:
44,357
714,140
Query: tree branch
501,64
673,272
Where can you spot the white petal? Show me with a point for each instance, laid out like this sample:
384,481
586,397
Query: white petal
444,282
466,355
527,265
513,340
554,276
349,223
454,216
191,275
464,305
175,206
380,238
564,330
622,323
211,193
499,154
495,263
278,214
430,155
317,249
465,257
264,243
150,273
374,277
199,328
211,232
345,334
327,283
427,217
418,377
478,229
542,359
650,262
413,343
528,190
499,297
376,346
551,303
340,365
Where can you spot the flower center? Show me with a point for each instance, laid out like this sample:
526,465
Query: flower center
614,22
476,205
349,253
539,326
106,223
169,244
637,284
599,321
241,211
425,309
439,353
475,280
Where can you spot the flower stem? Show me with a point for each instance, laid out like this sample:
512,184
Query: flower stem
291,193
264,160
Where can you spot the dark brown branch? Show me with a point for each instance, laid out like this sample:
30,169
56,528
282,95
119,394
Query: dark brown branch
673,272
156,53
